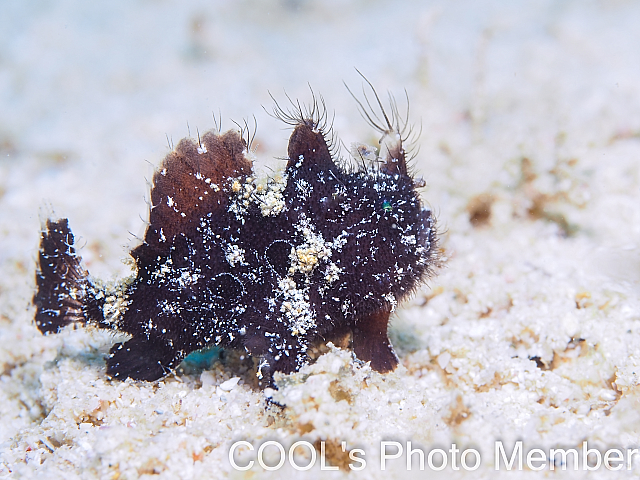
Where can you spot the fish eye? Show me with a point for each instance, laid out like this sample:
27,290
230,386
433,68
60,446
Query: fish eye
387,207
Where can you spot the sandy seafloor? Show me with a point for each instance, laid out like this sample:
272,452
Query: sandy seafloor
530,146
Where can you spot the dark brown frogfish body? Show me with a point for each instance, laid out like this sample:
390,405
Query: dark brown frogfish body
270,266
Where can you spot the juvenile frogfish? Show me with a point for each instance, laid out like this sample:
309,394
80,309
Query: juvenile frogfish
325,249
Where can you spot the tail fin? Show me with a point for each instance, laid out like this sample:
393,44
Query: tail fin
64,293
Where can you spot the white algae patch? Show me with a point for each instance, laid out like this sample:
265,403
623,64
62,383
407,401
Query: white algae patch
531,151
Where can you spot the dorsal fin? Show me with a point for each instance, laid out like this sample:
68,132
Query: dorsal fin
192,181
308,147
